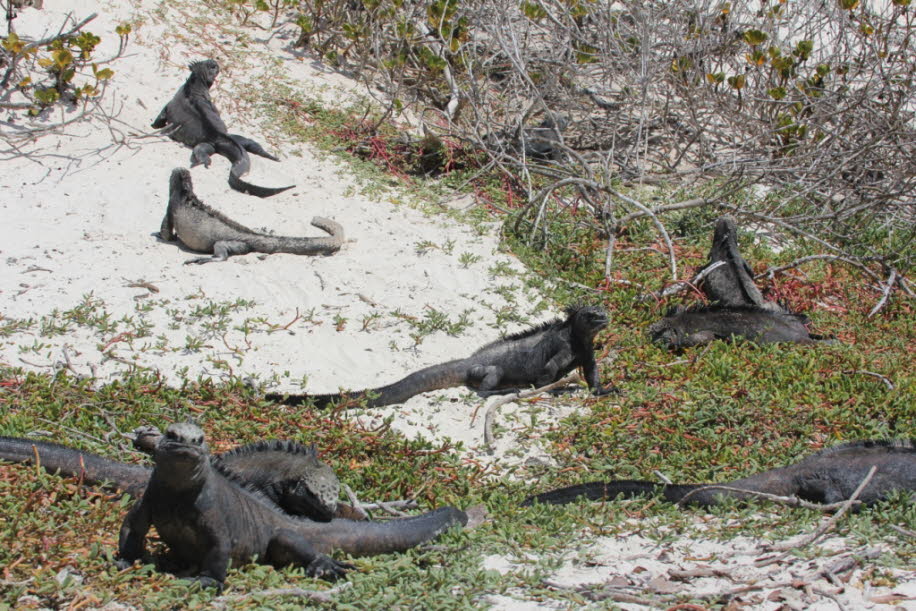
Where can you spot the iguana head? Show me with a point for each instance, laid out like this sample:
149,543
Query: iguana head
726,231
587,320
180,183
206,70
182,457
317,490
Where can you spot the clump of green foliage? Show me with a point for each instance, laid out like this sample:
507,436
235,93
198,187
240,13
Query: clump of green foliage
62,68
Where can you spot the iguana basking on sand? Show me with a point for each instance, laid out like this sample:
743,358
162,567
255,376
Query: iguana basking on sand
829,476
538,356
289,474
201,228
685,327
208,519
732,283
194,121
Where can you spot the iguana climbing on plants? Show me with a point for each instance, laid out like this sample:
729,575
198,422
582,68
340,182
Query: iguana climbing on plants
731,284
201,228
289,474
828,476
685,327
208,519
194,121
538,356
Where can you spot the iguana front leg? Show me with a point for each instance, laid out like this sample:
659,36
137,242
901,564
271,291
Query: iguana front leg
132,538
593,379
222,250
167,230
215,563
201,154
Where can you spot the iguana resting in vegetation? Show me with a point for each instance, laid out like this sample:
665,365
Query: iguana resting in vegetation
829,476
289,474
208,519
538,356
685,327
195,121
201,228
731,284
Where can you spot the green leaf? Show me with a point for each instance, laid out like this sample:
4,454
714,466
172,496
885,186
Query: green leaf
533,11
848,4
47,96
803,49
755,37
737,82
777,93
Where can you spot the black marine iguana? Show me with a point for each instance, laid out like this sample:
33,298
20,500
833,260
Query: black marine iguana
289,474
208,519
201,228
196,122
684,327
732,283
828,476
538,356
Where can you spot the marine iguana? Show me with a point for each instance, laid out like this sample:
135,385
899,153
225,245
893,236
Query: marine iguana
208,519
537,356
543,142
200,227
289,474
196,122
731,284
684,327
828,476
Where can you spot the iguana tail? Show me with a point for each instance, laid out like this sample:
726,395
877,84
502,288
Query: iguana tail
369,538
444,375
600,491
238,156
303,246
91,468
246,187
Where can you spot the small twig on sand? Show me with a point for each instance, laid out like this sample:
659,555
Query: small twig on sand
311,595
594,594
491,410
681,285
823,529
903,531
790,501
888,383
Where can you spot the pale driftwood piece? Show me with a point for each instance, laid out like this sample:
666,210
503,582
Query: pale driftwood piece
681,285
787,549
790,501
488,436
889,285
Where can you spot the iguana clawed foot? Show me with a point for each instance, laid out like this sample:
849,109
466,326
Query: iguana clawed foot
325,567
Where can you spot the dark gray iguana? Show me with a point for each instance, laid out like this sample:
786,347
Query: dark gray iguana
289,474
538,356
194,121
828,476
201,228
732,283
208,519
684,327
